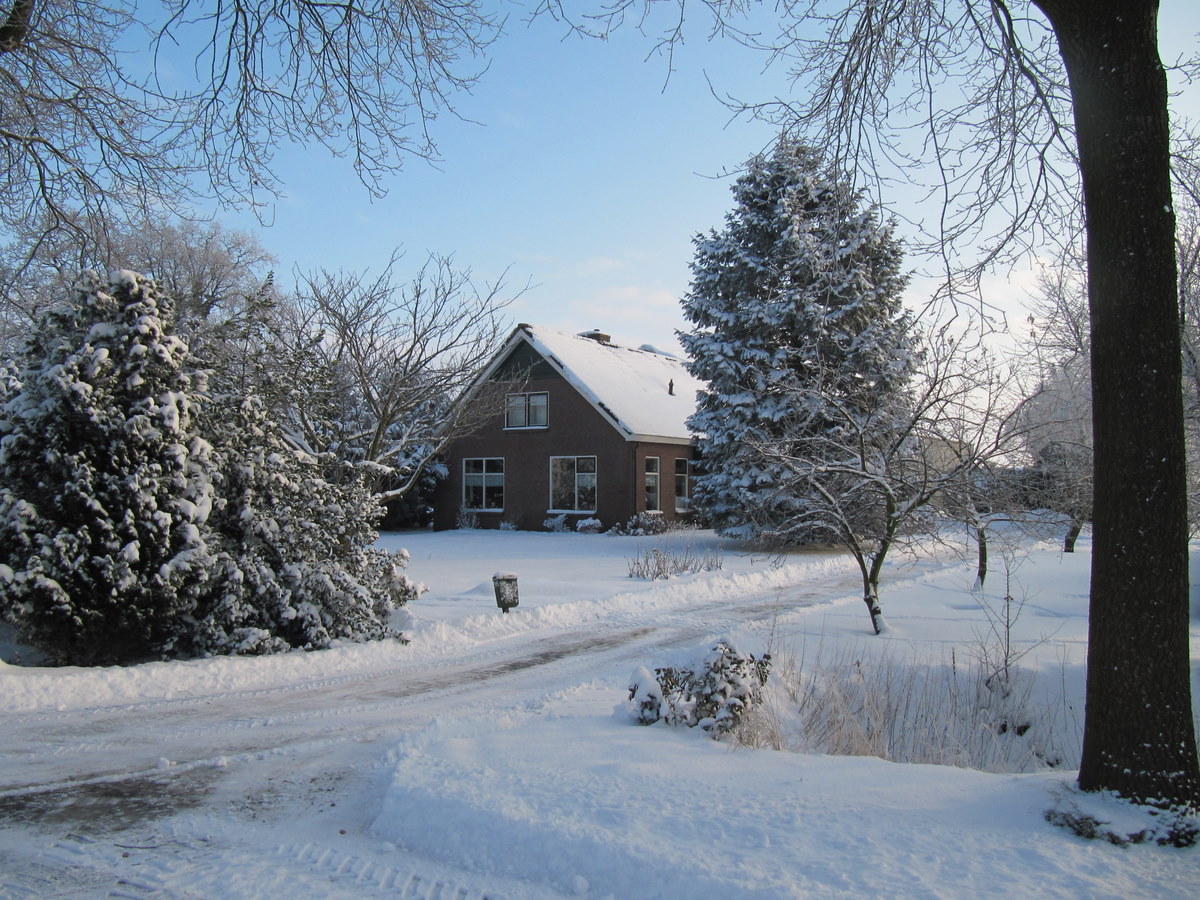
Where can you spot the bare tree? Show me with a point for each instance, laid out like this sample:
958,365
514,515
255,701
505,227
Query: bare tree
381,364
207,271
93,137
875,477
1055,419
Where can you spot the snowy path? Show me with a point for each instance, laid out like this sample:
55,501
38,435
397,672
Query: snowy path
484,759
99,789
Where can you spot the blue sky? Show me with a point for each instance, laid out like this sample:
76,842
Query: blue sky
578,167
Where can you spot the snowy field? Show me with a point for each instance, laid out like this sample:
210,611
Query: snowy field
495,756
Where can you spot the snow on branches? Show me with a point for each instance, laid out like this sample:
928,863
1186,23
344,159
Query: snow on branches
140,519
801,288
104,483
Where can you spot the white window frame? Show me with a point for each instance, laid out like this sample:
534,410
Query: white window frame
483,482
652,477
522,403
595,485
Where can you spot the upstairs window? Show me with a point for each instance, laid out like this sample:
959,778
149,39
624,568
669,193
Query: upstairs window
483,483
651,482
573,483
526,410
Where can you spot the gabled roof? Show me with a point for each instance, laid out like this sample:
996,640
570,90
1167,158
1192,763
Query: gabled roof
647,395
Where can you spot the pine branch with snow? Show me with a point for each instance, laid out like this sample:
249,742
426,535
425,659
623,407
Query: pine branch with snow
105,484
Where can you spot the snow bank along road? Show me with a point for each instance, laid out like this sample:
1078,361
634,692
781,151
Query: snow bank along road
224,777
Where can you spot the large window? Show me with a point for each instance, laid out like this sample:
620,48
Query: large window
683,485
651,481
483,483
573,483
526,410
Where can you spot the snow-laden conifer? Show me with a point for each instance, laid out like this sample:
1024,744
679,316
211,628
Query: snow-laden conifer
294,561
105,485
796,319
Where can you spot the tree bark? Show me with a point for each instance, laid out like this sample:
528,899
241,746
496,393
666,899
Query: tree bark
1138,733
15,29
1072,536
981,565
871,598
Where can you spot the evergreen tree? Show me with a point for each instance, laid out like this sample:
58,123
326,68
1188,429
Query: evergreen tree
105,486
291,533
294,563
795,301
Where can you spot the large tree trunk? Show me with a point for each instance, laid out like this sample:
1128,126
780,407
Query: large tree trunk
1138,734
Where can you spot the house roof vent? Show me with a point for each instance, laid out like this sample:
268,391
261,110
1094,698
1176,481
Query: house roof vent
596,335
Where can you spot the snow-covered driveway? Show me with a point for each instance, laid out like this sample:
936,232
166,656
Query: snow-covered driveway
484,759
99,758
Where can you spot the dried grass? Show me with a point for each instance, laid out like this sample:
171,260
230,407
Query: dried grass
911,710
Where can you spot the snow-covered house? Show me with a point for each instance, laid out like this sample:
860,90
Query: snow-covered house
586,429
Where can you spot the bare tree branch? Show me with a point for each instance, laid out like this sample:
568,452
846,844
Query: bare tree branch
93,137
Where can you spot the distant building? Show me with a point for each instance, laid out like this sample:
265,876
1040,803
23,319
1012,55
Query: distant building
586,428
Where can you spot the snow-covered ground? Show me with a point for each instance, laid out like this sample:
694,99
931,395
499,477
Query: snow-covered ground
494,755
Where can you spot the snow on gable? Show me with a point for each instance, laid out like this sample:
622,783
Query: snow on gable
634,387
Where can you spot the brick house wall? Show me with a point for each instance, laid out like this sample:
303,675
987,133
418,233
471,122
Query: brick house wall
573,428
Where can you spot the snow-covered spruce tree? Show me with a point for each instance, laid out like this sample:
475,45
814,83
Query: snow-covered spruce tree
294,565
105,485
802,287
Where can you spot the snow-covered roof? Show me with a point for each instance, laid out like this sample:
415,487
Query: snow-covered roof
646,394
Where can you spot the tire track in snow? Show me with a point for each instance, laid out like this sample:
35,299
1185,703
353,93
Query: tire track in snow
179,734
115,774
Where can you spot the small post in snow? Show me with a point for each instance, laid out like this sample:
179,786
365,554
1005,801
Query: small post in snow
505,584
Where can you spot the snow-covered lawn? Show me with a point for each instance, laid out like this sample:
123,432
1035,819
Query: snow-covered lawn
494,755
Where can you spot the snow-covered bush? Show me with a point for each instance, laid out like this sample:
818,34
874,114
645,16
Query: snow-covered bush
641,524
141,518
294,565
714,695
468,519
589,526
556,524
645,697
656,563
105,484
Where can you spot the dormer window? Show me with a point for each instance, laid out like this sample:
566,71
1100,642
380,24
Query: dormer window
526,410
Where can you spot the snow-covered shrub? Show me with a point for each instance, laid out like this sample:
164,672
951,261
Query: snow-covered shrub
557,524
140,518
105,484
468,519
1165,827
714,695
294,565
508,525
589,526
654,563
641,524
645,697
